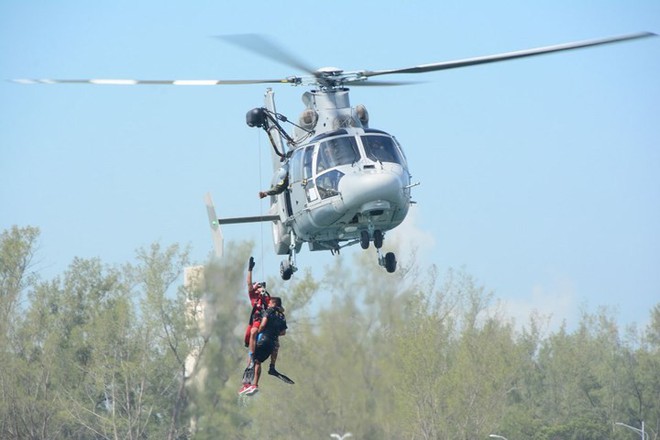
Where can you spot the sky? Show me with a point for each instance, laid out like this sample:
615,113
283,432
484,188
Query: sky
539,177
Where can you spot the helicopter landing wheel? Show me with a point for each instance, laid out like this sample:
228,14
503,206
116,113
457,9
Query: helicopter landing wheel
378,238
286,270
390,262
364,239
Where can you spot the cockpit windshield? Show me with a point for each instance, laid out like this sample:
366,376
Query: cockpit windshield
381,149
337,151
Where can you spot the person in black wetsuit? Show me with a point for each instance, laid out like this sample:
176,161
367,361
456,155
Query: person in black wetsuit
273,325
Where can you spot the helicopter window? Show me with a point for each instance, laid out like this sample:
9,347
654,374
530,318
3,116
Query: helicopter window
307,162
295,167
327,184
381,149
330,133
335,152
400,150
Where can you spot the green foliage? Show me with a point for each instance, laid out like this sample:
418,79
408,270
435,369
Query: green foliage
98,352
17,247
132,352
575,428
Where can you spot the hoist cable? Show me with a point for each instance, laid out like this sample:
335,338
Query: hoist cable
261,224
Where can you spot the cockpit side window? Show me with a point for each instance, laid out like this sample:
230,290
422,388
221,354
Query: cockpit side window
307,162
337,151
381,149
295,166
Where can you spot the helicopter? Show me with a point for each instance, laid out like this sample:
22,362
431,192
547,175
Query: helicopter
340,182
337,181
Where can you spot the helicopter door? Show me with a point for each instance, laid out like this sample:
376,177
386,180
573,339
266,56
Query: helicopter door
308,180
303,189
287,203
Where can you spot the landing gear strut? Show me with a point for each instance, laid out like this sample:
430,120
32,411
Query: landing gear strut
288,266
388,261
286,270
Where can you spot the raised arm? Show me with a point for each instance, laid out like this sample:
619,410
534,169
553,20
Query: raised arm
249,274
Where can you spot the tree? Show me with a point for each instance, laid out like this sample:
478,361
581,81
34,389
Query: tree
99,352
17,248
21,413
128,352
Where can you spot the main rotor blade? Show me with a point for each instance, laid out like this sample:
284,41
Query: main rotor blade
507,56
365,83
267,48
174,82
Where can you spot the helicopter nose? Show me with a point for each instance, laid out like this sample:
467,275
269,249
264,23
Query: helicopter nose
371,192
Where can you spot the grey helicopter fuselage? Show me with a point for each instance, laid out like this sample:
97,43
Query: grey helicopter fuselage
347,183
343,182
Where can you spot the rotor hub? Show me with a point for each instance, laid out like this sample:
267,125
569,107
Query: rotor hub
329,71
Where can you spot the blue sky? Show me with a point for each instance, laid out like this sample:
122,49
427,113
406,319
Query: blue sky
538,176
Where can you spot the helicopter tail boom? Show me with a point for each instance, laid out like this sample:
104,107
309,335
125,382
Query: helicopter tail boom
251,219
